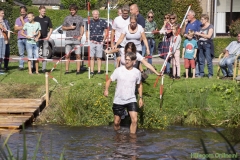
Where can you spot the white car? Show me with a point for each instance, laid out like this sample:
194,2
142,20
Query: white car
57,41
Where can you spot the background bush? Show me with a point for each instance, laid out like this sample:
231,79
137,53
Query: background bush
234,28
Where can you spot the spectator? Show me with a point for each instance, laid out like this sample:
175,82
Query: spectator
97,29
189,52
150,26
33,33
127,78
191,23
173,19
46,31
205,45
226,63
119,24
166,23
19,23
140,19
119,12
176,52
4,41
73,25
133,33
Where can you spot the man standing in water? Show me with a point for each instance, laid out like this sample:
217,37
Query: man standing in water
127,78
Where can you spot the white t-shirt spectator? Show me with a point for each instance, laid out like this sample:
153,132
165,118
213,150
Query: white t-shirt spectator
134,37
126,84
118,25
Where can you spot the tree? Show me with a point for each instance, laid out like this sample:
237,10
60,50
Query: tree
180,7
82,4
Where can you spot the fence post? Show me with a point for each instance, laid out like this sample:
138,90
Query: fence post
47,89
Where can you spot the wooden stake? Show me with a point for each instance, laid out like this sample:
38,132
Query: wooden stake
47,89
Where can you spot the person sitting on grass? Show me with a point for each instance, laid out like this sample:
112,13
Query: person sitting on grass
189,52
226,63
127,78
33,33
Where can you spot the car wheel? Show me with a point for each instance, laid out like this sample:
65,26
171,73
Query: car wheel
49,52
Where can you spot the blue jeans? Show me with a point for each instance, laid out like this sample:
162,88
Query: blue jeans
21,48
151,48
2,50
32,50
226,65
205,53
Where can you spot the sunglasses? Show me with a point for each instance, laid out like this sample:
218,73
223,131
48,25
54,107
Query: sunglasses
150,16
172,18
166,17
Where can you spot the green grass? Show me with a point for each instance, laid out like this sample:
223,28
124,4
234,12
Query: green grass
77,100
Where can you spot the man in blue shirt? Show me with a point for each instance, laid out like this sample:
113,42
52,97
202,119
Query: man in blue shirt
191,23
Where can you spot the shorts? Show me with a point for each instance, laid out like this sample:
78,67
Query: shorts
32,51
71,45
189,63
96,50
118,109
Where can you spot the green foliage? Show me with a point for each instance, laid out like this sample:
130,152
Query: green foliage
180,7
220,44
82,4
234,28
159,9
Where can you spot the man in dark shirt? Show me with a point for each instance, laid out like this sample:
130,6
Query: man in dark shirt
73,25
140,19
46,25
97,39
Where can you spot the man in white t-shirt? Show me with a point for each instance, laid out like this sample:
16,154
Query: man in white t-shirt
127,78
119,24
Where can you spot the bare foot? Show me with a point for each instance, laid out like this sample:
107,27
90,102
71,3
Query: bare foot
194,77
186,77
29,72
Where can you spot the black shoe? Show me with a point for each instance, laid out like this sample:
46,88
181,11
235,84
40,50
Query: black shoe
20,68
177,77
78,72
6,68
92,73
44,71
99,72
67,72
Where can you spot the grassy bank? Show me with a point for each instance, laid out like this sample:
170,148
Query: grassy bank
79,101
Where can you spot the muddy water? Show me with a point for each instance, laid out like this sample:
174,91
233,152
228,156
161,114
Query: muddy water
175,142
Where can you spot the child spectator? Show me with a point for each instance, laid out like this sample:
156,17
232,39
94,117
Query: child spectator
176,52
190,51
33,34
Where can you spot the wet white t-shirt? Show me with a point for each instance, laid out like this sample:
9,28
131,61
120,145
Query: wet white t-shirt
126,84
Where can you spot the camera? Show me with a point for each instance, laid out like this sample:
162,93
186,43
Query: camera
74,24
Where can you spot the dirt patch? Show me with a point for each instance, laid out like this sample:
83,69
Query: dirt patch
21,91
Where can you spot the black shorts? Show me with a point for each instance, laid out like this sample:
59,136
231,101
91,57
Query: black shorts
118,109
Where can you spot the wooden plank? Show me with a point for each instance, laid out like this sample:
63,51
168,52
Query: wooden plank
13,119
18,110
6,132
13,116
19,103
11,125
19,106
17,100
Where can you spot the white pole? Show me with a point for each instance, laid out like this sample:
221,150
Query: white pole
215,18
47,89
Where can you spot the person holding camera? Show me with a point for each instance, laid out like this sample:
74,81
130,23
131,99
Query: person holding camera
73,25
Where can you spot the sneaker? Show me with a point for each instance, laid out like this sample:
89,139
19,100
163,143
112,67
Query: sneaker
92,73
20,68
99,72
44,71
67,72
78,72
210,77
6,69
177,77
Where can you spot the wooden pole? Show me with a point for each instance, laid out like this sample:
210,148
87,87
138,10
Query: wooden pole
47,89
